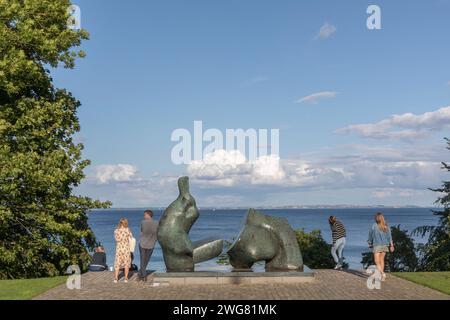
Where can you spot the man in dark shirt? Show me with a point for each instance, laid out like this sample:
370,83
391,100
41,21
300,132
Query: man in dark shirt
149,228
338,234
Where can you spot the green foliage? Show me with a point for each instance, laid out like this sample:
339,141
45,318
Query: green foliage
315,250
436,252
43,226
403,259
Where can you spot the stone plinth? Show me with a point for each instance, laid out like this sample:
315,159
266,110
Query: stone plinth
241,277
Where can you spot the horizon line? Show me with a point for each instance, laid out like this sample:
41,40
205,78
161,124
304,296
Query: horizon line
291,207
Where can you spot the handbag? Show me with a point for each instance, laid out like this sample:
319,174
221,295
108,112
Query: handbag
132,244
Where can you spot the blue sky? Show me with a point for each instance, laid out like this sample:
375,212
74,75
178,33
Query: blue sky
155,66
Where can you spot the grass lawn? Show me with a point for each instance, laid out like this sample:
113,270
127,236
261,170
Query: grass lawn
435,280
27,288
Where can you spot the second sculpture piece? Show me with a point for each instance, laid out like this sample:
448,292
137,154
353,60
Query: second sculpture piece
269,239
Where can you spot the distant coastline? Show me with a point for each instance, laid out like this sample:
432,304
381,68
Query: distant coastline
311,207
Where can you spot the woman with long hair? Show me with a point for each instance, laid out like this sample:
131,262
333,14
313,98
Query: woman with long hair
122,234
380,240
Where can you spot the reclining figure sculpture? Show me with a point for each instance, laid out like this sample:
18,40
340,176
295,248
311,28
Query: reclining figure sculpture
180,254
269,239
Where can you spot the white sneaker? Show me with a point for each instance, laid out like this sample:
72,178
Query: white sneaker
126,280
338,266
115,281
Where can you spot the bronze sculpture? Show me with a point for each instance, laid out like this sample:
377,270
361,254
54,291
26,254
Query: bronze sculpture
263,238
269,239
180,254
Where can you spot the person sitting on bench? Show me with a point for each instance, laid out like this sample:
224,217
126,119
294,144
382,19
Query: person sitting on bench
98,260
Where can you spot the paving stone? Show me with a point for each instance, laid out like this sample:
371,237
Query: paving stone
328,285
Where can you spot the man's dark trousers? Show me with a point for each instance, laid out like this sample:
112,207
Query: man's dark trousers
145,258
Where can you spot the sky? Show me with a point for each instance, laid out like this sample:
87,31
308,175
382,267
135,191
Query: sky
361,113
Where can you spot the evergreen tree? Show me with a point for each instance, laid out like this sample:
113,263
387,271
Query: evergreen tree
436,252
43,225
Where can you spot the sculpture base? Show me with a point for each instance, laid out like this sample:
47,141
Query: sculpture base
220,278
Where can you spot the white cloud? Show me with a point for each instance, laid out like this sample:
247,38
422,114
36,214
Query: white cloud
219,166
438,119
267,170
228,168
315,97
357,167
406,126
126,188
354,174
115,173
326,31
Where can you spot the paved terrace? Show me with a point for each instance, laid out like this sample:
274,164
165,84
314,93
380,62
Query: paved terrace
328,284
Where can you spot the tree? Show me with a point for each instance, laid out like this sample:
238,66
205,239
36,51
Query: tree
43,225
404,257
223,258
315,250
436,252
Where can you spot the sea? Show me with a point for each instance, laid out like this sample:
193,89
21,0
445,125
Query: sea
227,223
